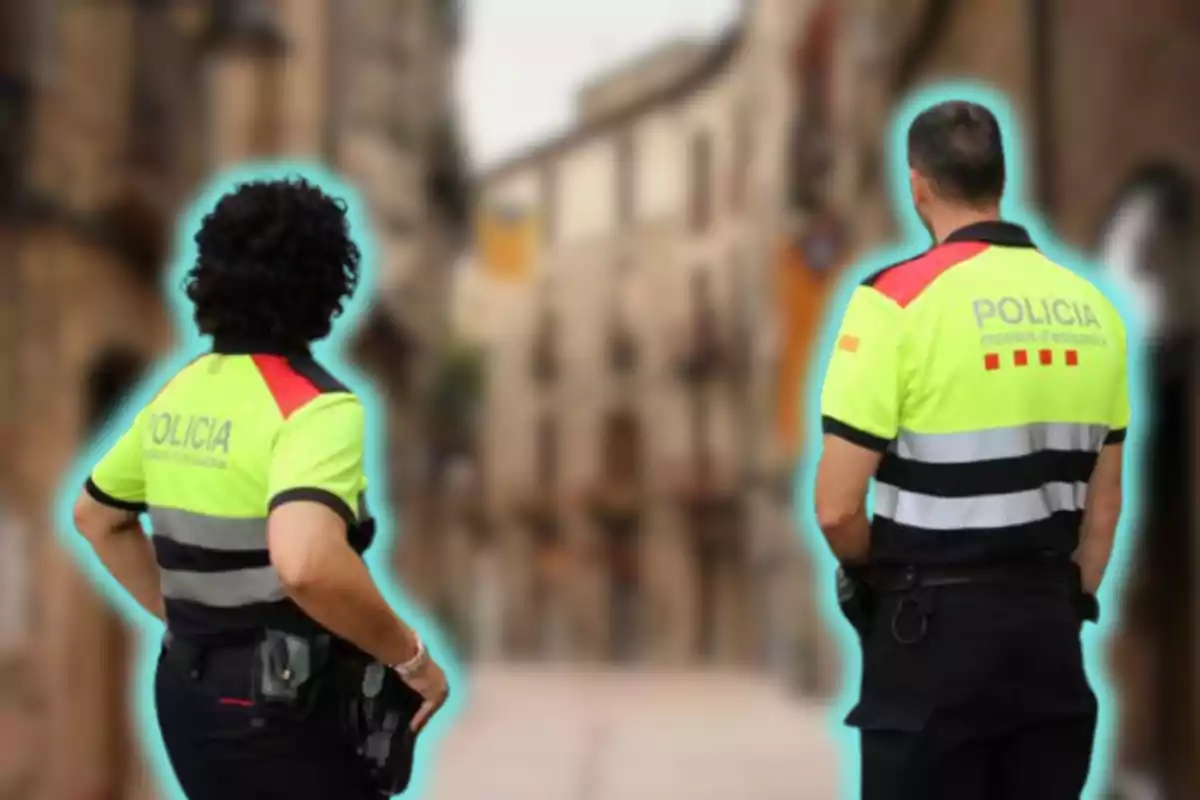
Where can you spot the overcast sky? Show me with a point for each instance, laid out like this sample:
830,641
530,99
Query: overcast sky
524,59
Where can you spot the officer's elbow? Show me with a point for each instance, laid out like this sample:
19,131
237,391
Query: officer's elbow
90,519
298,553
835,513
297,568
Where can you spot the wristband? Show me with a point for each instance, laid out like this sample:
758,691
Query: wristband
415,664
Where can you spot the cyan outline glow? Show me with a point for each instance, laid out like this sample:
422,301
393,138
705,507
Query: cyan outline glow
1017,208
329,352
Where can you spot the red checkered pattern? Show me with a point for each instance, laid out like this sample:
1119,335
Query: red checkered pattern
1020,358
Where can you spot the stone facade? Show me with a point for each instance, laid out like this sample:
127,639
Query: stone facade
640,509
119,111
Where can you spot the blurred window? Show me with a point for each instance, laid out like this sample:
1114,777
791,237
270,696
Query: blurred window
15,567
547,451
701,159
626,194
742,143
549,221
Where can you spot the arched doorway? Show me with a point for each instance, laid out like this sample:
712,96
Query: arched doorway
1145,247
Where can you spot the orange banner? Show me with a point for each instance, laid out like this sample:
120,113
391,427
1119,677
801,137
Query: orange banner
803,293
507,241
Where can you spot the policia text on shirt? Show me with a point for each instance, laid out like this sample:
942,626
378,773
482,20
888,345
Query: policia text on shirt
983,388
283,674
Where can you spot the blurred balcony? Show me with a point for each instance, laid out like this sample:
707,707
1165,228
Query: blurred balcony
622,350
455,403
810,163
249,26
616,497
545,363
700,353
711,502
540,507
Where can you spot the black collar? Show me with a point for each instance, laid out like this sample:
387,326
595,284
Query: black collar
252,345
1004,234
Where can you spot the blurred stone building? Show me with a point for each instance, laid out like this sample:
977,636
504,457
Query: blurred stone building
111,115
636,483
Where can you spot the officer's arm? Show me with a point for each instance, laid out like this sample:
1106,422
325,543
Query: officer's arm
315,476
107,514
860,408
1100,517
1102,512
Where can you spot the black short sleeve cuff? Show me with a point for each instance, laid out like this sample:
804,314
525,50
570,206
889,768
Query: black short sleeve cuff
853,435
1115,436
314,495
104,498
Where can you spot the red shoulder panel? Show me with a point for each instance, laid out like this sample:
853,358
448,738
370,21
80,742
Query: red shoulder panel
904,282
290,389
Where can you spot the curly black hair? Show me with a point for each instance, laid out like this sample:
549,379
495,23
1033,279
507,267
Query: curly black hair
275,262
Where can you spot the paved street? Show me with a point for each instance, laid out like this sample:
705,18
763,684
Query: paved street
557,734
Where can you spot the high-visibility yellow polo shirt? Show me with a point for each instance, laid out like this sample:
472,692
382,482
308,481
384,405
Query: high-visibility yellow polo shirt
990,378
235,434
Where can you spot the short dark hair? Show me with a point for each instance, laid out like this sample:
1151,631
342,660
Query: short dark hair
275,262
957,145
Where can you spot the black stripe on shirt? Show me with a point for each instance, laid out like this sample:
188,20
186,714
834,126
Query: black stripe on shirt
314,495
173,555
1115,436
104,498
837,428
893,543
995,476
197,622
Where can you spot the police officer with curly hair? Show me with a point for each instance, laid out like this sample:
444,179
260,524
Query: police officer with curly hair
284,673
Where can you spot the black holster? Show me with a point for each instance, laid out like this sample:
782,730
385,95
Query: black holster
856,599
375,706
377,712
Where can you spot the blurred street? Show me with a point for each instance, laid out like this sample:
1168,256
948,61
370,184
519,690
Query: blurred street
566,734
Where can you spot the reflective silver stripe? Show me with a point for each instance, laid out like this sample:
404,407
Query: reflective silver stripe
986,511
222,589
1023,440
215,533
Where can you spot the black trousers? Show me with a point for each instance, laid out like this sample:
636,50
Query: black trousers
992,703
225,746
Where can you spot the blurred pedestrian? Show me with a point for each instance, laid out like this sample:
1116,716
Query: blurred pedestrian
249,463
983,387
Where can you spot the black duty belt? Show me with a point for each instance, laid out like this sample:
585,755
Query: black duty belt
887,580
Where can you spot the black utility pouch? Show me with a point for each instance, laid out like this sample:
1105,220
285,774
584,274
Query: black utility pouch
856,599
289,670
377,710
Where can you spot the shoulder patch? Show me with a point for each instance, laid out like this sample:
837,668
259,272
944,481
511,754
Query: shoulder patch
902,283
294,382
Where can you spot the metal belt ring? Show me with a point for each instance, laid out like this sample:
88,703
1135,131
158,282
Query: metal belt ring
924,628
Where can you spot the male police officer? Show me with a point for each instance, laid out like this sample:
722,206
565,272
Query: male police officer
984,388
250,464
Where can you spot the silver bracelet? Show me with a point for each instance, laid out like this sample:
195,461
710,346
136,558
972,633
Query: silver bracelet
414,664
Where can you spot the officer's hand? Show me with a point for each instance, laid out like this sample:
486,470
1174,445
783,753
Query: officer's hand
430,683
